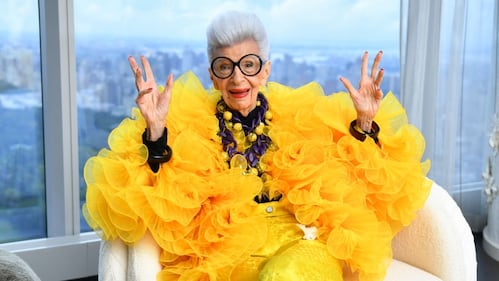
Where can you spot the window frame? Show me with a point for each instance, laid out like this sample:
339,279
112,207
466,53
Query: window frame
495,58
74,254
59,116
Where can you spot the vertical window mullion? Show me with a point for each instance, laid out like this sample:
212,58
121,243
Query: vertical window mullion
495,54
59,114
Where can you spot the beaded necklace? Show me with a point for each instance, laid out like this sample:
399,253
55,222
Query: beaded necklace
245,143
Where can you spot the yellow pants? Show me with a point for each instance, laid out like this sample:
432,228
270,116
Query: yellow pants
286,256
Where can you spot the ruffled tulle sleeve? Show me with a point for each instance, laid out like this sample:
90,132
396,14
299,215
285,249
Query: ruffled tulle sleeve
358,194
108,176
199,212
393,171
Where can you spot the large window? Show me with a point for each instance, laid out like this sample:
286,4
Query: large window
172,35
44,145
449,89
22,177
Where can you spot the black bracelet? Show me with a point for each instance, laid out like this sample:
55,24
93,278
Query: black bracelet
159,151
164,157
362,135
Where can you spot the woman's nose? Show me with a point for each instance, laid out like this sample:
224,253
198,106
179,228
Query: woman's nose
237,75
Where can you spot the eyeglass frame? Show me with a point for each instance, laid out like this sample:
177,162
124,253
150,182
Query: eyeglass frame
234,64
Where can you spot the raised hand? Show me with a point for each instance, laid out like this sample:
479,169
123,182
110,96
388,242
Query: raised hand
368,97
152,102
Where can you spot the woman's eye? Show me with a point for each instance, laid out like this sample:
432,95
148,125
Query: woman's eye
224,67
248,64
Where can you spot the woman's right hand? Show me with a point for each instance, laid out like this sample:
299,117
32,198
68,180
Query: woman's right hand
152,103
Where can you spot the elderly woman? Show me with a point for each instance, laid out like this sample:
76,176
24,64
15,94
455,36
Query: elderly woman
253,180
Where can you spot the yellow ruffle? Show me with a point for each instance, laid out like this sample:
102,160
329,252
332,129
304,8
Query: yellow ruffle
358,194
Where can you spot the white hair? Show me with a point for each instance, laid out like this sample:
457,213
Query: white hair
233,27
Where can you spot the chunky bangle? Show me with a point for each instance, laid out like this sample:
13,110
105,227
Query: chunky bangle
159,151
164,157
361,134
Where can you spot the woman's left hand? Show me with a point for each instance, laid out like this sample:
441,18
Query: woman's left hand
368,97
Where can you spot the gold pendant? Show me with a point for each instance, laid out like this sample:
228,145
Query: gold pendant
238,161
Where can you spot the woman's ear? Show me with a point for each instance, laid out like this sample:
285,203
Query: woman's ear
267,67
213,80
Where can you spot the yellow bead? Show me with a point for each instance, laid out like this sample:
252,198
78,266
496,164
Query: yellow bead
238,126
238,162
266,130
253,171
258,103
259,129
227,115
268,115
252,137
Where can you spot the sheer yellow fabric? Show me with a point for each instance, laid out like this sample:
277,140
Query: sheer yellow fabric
202,214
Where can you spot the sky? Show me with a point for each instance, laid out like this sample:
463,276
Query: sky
315,21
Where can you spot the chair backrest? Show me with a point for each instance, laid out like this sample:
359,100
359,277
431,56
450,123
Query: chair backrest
439,240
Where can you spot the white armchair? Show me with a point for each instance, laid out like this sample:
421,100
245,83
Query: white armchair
439,241
438,245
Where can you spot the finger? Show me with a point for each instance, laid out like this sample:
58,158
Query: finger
139,79
142,93
363,69
169,84
133,63
137,72
379,78
166,94
375,66
347,85
147,68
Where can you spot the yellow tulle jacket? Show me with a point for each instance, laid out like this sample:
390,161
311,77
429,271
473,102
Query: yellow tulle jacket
202,214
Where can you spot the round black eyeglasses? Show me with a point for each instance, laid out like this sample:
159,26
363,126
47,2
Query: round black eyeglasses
223,67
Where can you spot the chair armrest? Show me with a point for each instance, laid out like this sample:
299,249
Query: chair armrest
439,240
143,260
113,260
120,262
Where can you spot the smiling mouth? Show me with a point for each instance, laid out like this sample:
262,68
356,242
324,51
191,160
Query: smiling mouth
239,93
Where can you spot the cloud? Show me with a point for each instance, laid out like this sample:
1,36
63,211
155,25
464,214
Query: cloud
314,21
335,21
19,16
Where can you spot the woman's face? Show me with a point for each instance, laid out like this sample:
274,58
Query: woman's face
240,91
